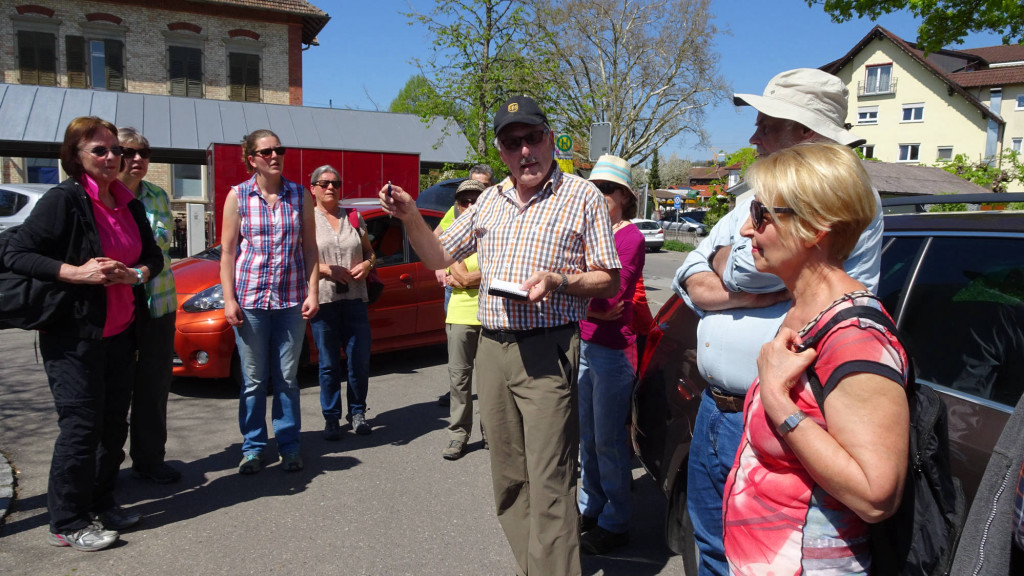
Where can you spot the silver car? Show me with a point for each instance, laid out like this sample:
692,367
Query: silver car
17,202
654,235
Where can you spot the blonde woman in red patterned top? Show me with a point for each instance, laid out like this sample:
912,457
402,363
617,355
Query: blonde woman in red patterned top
808,479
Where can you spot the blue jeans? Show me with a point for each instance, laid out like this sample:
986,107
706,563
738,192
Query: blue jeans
269,344
716,437
343,324
605,386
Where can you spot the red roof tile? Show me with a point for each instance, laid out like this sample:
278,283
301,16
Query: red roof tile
997,54
989,77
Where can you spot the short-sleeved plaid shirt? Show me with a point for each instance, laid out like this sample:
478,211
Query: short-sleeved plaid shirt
563,228
160,288
270,273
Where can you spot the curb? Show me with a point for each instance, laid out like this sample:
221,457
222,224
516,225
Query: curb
6,486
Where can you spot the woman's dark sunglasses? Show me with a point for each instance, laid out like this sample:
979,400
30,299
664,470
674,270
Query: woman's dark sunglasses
102,151
759,213
268,152
130,153
514,142
607,188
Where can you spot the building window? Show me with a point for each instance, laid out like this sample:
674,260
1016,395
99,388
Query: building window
37,58
945,153
867,150
909,152
878,79
1020,102
913,113
244,77
1016,145
96,64
185,71
867,115
187,182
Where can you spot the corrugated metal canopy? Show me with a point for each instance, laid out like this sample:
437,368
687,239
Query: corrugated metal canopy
33,120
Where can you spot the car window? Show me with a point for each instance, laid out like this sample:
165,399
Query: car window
432,222
388,240
898,255
11,202
964,316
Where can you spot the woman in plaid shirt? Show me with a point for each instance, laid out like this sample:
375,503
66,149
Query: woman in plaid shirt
268,269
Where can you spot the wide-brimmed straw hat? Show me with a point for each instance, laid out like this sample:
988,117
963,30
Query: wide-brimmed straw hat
613,169
814,98
469,186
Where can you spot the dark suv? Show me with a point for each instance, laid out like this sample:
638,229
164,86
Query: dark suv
954,283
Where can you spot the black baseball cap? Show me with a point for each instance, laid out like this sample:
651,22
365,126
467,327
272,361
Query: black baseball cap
518,109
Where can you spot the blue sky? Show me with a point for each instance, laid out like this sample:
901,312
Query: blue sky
365,54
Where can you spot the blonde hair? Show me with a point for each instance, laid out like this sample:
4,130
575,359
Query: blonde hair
827,187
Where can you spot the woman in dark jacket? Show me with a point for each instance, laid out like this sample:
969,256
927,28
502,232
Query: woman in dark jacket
89,237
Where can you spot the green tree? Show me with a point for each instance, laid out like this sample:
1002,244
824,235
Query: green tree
419,97
646,66
983,173
943,22
677,171
744,157
654,177
482,53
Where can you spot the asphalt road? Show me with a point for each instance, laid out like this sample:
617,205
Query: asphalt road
384,504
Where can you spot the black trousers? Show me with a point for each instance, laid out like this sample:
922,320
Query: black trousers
150,391
91,383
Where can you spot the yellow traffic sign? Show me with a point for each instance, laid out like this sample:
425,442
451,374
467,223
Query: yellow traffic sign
565,165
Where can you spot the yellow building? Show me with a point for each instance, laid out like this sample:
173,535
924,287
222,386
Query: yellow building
917,109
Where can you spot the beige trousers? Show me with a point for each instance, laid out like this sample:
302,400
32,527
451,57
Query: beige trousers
528,405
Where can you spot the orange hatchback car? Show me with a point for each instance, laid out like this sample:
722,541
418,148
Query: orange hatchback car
409,313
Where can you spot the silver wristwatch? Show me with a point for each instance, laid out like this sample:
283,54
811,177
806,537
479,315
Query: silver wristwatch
789,423
563,284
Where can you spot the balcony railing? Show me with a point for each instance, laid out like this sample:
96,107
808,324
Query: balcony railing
876,88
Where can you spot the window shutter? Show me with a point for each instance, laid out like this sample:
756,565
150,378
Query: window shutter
194,74
74,47
47,59
37,58
29,74
176,70
236,78
252,78
114,53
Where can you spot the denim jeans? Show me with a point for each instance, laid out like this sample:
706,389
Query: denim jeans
343,324
269,344
605,385
716,437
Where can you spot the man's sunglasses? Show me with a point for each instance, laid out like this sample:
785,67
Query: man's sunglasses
759,213
130,153
466,201
326,183
102,151
268,152
515,142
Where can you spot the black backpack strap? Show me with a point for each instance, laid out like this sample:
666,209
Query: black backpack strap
862,311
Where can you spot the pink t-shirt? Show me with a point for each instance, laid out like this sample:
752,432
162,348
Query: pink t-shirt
119,240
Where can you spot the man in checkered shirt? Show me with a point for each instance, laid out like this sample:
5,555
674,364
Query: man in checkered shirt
549,234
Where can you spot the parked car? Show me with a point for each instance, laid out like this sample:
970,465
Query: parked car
409,313
954,283
691,225
17,202
654,235
440,196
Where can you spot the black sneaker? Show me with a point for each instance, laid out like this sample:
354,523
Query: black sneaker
600,541
89,539
332,430
117,518
162,473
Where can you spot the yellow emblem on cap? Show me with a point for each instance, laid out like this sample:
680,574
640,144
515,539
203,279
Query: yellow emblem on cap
513,107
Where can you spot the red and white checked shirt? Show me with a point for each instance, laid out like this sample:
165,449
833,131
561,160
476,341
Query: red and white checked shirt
563,228
270,271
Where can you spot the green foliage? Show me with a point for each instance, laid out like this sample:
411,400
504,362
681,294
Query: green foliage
985,174
654,177
419,97
717,208
483,52
1015,206
955,207
677,246
745,156
943,22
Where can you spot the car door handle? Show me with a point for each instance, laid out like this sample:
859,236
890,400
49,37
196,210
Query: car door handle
407,278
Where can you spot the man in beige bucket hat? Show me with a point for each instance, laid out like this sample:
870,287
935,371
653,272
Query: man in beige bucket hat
740,308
